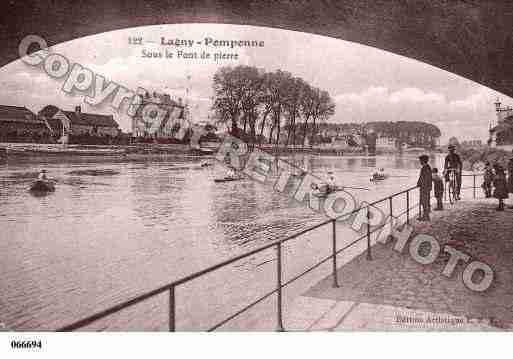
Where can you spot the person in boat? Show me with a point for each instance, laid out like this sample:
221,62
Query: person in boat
232,173
331,184
378,175
316,191
42,176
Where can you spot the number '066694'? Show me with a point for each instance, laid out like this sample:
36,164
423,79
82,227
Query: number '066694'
26,344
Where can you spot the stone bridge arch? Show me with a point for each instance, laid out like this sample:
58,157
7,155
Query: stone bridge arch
470,38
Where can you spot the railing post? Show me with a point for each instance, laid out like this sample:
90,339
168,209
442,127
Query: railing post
334,237
172,309
408,206
369,255
279,288
474,175
391,201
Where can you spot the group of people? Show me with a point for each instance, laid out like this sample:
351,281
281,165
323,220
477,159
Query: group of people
494,176
495,179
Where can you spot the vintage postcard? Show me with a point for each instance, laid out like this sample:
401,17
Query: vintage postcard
256,166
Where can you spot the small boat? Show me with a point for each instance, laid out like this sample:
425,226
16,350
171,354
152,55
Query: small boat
42,186
227,179
325,190
202,151
378,177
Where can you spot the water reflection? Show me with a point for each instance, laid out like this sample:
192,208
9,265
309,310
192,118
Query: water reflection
369,162
101,239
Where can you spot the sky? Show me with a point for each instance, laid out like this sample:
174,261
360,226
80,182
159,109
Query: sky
367,84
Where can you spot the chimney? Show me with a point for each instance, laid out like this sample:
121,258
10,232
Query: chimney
78,110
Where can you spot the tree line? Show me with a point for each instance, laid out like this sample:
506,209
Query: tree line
412,133
253,102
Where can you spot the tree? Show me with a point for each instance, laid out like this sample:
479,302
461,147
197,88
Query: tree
252,96
229,89
292,106
243,95
323,108
307,109
277,89
266,103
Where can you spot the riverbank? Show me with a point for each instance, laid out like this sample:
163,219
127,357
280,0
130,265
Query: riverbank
32,152
394,292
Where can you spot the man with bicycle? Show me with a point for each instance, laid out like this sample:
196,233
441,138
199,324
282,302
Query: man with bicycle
453,163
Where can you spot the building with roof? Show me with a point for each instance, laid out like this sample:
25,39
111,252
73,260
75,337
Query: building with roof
79,124
19,124
160,118
472,143
501,130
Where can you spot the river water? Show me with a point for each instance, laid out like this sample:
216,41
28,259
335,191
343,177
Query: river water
99,240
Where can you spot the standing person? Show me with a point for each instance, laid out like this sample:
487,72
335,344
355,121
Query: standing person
501,186
439,189
453,163
510,178
487,180
425,185
332,185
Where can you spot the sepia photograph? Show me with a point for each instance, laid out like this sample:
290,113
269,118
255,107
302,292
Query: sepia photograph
255,166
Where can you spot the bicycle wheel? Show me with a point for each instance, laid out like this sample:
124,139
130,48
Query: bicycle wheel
452,190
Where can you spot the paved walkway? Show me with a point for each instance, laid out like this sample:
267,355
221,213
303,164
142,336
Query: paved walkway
394,292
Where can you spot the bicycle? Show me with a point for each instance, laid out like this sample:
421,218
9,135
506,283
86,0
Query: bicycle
453,185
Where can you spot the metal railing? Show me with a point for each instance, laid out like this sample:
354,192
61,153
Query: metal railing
473,187
280,285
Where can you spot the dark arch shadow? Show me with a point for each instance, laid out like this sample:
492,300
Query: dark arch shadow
470,38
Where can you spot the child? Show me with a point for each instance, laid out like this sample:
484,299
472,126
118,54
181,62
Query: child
488,179
501,188
439,189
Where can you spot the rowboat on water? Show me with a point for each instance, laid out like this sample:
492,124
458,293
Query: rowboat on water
42,186
202,151
378,177
227,179
324,189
